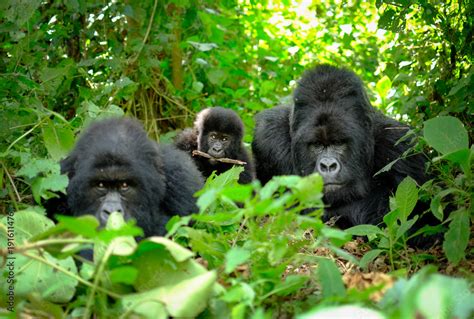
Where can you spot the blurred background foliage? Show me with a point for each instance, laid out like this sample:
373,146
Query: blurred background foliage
64,63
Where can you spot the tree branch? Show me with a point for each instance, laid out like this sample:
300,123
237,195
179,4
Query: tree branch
222,160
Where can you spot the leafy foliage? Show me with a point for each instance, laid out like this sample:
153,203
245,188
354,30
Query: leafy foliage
65,64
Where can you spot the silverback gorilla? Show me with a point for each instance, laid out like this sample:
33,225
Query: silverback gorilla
332,129
218,132
116,167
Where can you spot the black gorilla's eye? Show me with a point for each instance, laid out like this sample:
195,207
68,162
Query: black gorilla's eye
225,138
124,186
317,148
100,185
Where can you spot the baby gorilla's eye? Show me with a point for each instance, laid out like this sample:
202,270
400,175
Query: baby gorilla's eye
124,186
213,136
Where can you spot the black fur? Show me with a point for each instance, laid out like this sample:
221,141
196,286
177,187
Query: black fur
223,121
332,116
161,180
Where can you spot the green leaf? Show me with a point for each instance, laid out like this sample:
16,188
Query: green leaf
364,230
310,190
291,284
32,276
446,134
217,76
203,47
461,157
451,297
369,257
330,278
383,86
187,298
26,224
58,140
235,257
124,274
84,225
437,208
457,237
406,197
197,86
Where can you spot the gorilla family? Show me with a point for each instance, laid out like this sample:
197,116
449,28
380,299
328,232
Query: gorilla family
218,132
116,167
332,129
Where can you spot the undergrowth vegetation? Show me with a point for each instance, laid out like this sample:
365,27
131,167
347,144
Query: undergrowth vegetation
252,251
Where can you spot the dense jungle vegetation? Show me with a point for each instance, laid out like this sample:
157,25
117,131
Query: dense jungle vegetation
248,253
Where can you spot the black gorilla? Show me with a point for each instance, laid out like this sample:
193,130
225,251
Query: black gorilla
218,132
332,129
116,167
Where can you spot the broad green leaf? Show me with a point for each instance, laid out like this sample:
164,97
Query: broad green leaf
203,46
445,297
310,190
235,257
238,192
187,298
240,292
405,226
26,224
364,230
446,134
406,197
178,252
120,244
124,274
84,225
59,140
383,86
35,276
279,248
461,157
330,278
341,311
437,208
197,86
217,76
20,11
457,237
336,236
369,257
291,284
34,167
161,262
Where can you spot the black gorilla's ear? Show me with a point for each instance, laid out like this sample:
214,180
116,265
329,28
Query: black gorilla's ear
68,166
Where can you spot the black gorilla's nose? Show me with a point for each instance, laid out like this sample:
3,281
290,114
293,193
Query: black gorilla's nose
329,167
216,151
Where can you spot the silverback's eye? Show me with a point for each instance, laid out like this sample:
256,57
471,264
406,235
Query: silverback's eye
101,185
124,186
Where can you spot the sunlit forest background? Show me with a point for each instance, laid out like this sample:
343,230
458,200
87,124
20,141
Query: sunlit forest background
64,64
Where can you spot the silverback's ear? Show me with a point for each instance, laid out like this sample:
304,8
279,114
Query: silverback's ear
68,166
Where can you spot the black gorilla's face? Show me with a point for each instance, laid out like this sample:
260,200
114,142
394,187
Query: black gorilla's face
217,144
115,168
105,189
336,141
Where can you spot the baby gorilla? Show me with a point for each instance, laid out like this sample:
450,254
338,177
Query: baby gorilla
218,132
116,167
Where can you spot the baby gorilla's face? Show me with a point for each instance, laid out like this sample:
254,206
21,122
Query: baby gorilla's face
218,144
